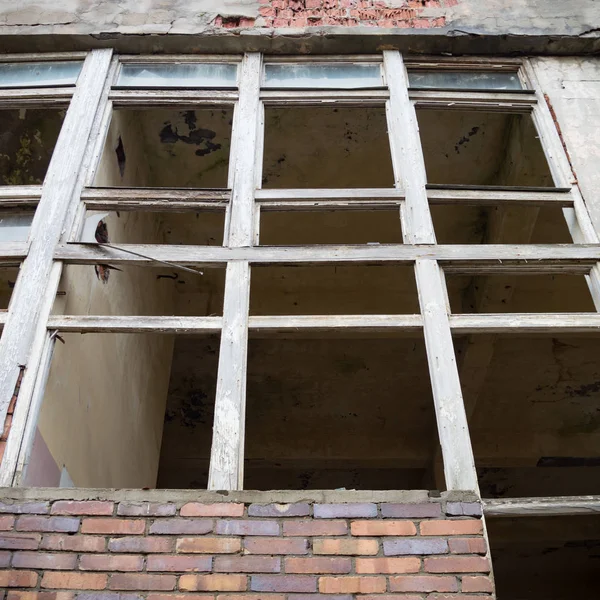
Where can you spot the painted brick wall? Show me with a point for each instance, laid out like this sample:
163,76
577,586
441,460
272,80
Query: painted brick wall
105,550
418,14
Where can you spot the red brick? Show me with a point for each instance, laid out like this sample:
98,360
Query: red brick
283,583
458,597
251,597
43,560
5,559
392,597
352,585
425,510
379,528
20,541
318,565
111,562
241,527
140,544
20,595
181,597
423,583
146,509
345,546
114,526
25,508
247,564
93,507
179,563
141,581
18,579
208,545
61,524
261,545
74,543
309,527
409,564
457,564
451,527
467,545
74,581
7,522
181,526
218,509
477,583
213,583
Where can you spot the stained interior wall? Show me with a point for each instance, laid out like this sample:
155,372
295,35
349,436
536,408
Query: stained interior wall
27,140
482,148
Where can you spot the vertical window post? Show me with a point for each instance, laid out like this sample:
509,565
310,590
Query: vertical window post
459,464
33,285
227,453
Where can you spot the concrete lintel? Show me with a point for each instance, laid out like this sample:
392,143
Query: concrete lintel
313,40
180,497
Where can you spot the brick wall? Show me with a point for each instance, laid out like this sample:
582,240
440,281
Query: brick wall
128,550
418,14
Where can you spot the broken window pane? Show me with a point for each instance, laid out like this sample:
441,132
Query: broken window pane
482,149
522,293
107,289
27,140
167,148
8,278
464,80
140,227
15,227
533,408
40,74
178,75
509,224
339,413
278,228
325,76
326,147
127,411
333,290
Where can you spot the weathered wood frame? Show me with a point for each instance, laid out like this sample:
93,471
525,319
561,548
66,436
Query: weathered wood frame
243,203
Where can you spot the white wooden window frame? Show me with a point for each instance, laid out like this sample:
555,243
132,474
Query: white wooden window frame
62,206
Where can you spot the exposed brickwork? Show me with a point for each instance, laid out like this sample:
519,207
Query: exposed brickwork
104,550
418,14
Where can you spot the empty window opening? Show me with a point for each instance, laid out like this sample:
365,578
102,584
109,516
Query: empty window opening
534,412
8,279
536,558
116,406
522,293
330,227
167,148
500,225
333,290
203,228
482,149
339,413
108,289
326,148
27,141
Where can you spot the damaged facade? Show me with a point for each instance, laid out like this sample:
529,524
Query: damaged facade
299,300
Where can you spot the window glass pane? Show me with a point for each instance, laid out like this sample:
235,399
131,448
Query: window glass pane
15,228
183,75
474,80
39,74
346,76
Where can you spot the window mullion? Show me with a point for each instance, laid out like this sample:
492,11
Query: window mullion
227,452
459,465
